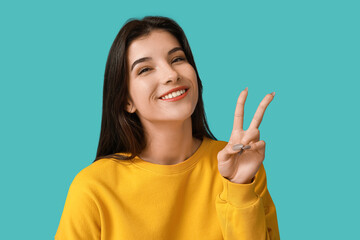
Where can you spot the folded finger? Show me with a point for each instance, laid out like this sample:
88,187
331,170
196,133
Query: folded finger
258,146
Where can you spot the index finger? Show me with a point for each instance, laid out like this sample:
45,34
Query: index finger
239,110
259,114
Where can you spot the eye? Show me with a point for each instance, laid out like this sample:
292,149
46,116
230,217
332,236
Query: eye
143,70
177,59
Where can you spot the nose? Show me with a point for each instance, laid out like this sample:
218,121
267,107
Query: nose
170,74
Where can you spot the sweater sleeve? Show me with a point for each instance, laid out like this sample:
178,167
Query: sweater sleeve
80,218
246,211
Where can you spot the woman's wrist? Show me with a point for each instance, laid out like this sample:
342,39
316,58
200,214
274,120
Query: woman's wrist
248,181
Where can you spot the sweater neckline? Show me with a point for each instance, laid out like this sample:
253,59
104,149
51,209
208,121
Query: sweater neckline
175,168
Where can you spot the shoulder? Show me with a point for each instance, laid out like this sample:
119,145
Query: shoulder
100,171
215,145
210,147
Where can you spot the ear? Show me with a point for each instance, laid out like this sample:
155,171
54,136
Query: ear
130,107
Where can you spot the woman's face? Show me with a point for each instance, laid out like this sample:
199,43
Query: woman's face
157,64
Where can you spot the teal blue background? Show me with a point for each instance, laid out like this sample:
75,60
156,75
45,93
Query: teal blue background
53,57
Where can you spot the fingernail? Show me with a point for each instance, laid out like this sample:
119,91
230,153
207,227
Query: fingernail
237,147
247,147
273,93
246,88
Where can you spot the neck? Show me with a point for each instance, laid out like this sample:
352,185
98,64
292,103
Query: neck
169,143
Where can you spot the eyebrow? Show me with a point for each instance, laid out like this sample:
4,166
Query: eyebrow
149,58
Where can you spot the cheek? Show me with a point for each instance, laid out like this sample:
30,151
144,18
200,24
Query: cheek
141,92
193,77
189,72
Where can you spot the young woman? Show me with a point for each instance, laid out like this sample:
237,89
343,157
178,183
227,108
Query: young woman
159,171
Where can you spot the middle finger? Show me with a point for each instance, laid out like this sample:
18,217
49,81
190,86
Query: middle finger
259,114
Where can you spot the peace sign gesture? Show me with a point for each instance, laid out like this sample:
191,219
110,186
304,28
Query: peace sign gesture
235,163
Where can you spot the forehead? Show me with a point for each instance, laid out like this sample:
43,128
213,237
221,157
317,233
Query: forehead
157,42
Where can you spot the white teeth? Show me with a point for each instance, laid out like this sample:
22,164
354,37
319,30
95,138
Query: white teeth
174,94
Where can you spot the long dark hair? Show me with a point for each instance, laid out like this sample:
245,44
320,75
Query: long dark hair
121,131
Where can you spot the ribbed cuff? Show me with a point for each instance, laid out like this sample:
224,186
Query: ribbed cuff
239,195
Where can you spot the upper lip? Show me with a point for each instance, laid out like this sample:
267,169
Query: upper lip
174,90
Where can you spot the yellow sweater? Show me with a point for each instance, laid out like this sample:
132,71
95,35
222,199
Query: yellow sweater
135,199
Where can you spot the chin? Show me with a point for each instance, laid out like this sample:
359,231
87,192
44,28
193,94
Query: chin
178,117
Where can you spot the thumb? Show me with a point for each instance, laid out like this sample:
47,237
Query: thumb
229,150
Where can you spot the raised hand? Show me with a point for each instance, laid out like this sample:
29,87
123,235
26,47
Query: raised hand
240,166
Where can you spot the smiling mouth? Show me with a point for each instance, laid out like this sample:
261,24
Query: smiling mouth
174,96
